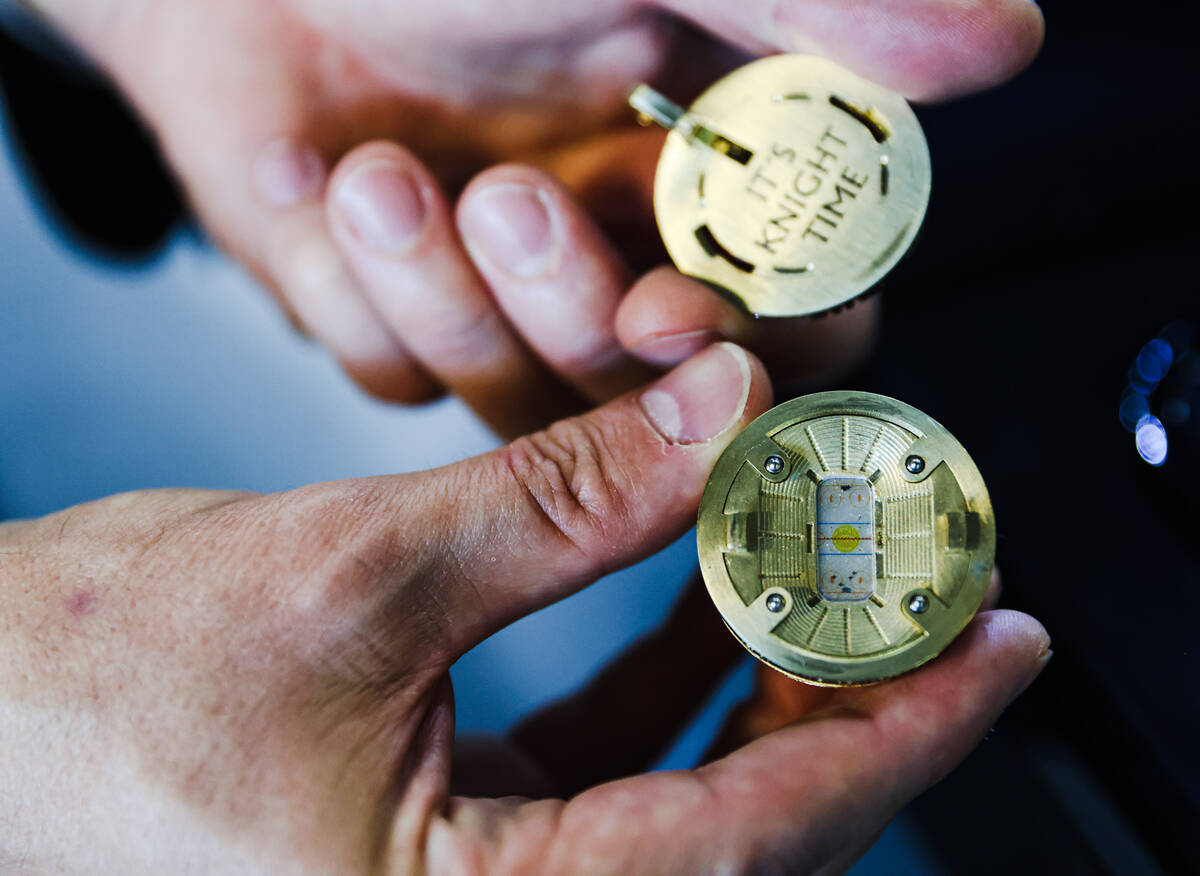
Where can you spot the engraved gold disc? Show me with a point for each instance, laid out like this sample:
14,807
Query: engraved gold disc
846,538
792,184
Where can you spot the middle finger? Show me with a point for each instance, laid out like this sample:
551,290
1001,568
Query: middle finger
554,274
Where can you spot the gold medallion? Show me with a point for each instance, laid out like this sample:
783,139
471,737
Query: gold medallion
792,184
846,538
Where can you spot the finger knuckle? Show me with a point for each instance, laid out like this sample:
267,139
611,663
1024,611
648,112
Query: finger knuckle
401,386
458,336
575,481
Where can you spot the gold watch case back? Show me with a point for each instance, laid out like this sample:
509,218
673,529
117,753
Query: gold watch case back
846,538
793,184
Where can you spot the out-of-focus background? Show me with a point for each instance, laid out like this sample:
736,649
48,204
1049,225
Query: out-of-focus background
1048,317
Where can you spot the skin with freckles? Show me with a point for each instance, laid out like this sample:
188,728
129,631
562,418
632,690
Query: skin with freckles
323,142
200,682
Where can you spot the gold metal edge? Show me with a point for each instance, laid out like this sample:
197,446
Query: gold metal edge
665,212
825,669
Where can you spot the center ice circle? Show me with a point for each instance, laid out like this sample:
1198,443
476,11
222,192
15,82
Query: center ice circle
846,538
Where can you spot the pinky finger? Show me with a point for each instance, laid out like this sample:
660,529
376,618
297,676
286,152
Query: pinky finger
667,316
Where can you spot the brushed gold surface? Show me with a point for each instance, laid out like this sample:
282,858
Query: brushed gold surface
791,183
931,533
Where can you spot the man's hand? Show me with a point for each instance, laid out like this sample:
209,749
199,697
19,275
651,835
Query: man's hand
196,682
256,102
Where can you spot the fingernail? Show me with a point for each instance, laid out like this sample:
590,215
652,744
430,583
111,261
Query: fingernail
673,349
702,397
287,172
382,204
511,224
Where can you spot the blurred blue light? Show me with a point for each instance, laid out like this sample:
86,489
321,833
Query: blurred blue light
1134,406
1154,361
1139,383
1151,440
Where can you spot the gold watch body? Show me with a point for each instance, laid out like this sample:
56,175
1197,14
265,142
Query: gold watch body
846,538
792,184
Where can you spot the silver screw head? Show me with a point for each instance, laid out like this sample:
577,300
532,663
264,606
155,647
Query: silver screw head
918,603
773,465
914,465
775,603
